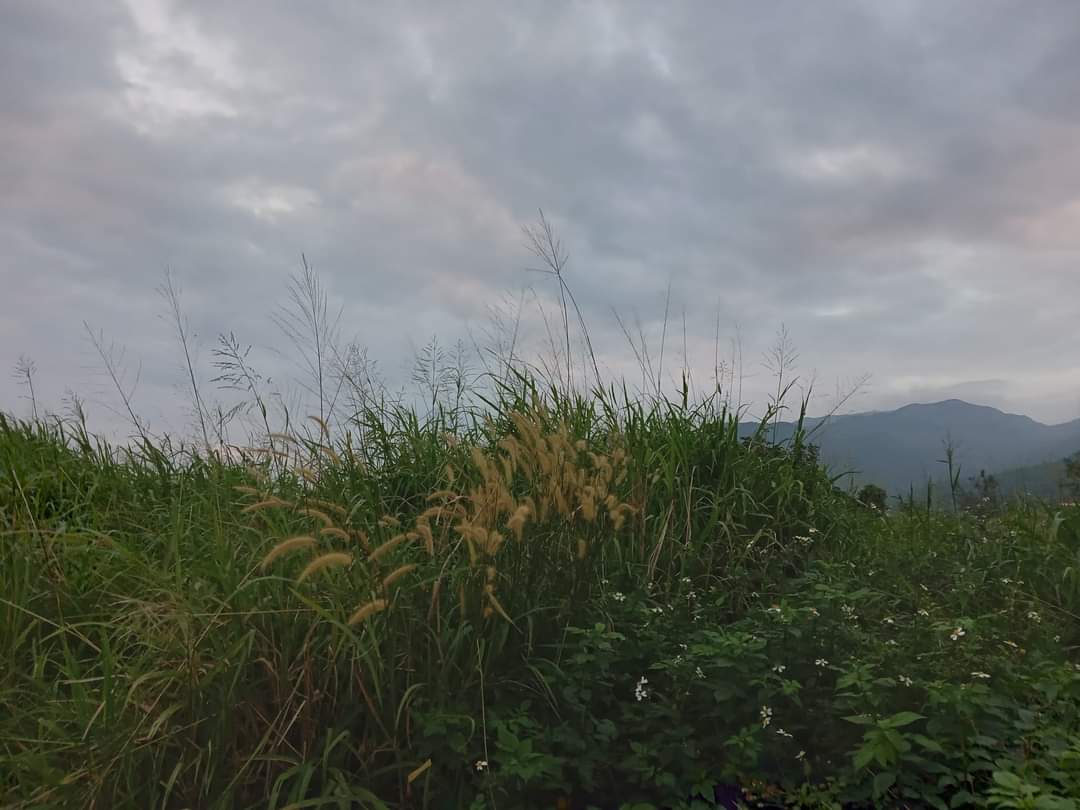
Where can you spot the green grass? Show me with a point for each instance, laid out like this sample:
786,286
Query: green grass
726,620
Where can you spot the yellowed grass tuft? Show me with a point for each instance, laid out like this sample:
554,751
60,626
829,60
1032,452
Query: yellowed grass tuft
318,514
397,574
270,503
334,559
387,547
334,531
363,612
286,546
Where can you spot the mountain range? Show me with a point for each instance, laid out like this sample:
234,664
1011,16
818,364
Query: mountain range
902,448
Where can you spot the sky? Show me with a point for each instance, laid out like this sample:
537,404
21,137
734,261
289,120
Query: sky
896,184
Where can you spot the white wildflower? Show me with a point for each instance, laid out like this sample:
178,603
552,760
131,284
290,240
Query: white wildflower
981,675
957,634
1034,616
779,669
640,692
618,596
905,680
821,662
783,733
766,716
801,755
480,765
699,673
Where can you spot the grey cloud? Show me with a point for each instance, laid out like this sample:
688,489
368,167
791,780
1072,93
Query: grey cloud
895,181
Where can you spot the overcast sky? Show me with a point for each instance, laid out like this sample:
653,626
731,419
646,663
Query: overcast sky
896,182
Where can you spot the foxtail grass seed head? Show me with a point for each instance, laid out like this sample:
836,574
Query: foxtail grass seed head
318,514
287,546
397,574
269,503
324,430
387,547
334,531
363,612
335,559
329,453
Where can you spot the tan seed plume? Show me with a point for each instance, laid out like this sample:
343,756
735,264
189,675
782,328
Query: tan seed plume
375,606
335,559
286,546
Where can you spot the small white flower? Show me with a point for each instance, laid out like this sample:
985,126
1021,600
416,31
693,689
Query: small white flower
821,662
801,755
481,765
905,680
640,692
924,587
957,634
889,620
783,733
814,612
677,660
779,669
766,716
773,609
1057,639
683,647
618,596
1006,581
686,580
1034,616
657,609
1012,644
892,643
812,530
849,612
699,673
923,612
981,675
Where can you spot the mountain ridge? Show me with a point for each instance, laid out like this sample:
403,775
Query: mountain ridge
903,447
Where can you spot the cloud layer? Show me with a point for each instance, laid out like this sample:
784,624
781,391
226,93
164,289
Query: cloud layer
898,183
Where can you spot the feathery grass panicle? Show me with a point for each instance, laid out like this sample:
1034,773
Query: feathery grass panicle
334,531
318,514
333,559
364,611
397,574
286,546
387,547
327,506
272,502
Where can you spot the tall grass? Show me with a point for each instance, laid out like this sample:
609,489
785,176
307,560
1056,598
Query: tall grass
346,613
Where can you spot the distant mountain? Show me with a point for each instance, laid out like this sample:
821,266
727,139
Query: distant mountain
896,449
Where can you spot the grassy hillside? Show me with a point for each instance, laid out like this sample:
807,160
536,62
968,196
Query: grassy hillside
561,602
